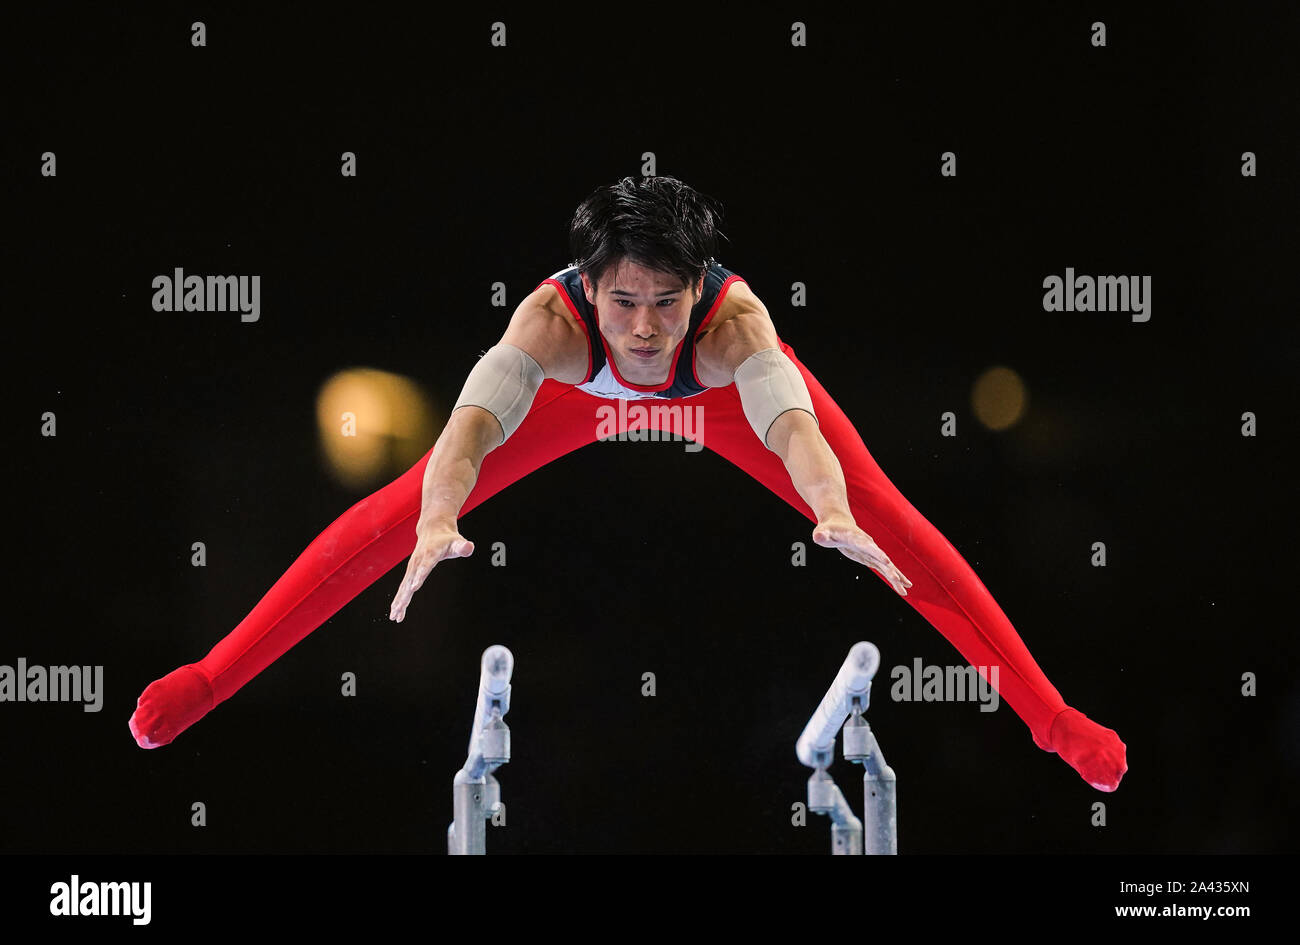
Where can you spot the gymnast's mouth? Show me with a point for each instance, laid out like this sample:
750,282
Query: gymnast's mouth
645,352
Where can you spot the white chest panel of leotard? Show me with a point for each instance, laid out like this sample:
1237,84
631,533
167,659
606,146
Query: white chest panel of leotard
605,384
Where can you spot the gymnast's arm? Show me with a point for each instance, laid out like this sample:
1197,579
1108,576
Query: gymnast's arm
793,435
544,341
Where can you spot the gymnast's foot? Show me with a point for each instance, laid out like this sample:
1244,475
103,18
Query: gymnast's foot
170,705
1090,749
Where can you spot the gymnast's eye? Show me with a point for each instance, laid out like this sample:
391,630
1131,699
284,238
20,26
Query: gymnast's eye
668,302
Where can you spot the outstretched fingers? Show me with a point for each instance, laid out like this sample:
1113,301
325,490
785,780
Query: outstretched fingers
423,560
415,574
857,545
881,564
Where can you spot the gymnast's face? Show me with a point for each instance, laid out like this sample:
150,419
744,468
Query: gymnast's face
644,315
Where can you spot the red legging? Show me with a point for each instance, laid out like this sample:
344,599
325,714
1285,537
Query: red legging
378,533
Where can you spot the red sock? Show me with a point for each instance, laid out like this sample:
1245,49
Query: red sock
1092,750
170,705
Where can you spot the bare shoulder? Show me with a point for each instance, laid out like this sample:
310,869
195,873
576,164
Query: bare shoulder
739,327
544,327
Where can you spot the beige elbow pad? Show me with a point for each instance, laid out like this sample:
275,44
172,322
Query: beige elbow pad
503,382
769,384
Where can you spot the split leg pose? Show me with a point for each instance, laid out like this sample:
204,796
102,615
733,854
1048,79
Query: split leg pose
645,315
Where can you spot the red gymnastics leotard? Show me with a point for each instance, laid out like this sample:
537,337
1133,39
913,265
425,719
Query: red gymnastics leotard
378,533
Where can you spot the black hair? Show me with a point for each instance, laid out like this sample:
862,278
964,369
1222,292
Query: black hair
657,222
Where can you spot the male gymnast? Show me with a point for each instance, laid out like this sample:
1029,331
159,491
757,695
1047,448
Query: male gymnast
643,313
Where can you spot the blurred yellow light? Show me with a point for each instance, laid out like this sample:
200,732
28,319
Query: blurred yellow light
998,398
374,425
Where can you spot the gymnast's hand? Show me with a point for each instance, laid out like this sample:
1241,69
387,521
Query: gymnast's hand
840,531
435,542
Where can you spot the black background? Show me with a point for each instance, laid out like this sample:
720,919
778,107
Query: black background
176,427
